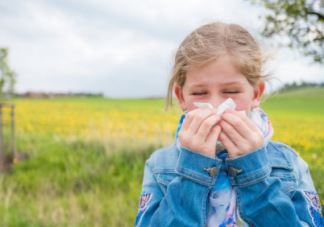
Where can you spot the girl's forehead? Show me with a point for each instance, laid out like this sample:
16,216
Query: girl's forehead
199,79
222,69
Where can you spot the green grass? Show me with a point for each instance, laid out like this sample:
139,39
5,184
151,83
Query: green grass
78,183
298,102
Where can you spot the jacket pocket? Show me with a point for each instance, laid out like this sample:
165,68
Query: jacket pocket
164,179
286,176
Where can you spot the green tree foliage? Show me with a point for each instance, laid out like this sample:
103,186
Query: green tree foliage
304,84
7,75
302,21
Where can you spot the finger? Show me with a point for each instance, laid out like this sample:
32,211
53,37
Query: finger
232,133
229,144
199,116
207,125
242,115
238,124
248,121
188,119
254,132
242,144
213,136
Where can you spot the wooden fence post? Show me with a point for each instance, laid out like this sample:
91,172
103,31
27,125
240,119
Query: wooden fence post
7,148
13,130
2,153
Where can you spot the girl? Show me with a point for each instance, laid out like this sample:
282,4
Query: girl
247,179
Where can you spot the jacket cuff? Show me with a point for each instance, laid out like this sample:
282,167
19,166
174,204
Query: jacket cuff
249,169
197,167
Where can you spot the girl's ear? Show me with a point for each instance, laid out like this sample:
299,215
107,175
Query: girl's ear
179,94
258,92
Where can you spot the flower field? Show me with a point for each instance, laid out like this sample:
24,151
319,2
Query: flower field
86,155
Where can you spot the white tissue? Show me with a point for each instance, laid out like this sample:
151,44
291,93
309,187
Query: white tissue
227,104
203,105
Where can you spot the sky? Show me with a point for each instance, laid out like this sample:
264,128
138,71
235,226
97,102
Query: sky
122,48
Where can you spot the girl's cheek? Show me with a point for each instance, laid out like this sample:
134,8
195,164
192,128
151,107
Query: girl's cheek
191,101
191,106
243,105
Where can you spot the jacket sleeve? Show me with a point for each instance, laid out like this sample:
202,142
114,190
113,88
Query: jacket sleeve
261,200
305,198
184,200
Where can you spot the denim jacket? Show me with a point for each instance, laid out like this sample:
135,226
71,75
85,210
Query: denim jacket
273,187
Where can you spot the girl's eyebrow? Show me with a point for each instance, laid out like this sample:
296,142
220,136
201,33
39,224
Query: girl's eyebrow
198,85
232,83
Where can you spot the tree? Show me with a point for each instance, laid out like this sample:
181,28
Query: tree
302,21
7,75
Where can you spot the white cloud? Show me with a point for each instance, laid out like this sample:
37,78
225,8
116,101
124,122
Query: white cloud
122,48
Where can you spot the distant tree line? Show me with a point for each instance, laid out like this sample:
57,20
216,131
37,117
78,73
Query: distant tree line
32,94
298,85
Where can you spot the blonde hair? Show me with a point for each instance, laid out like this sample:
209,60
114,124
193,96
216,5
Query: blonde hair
211,41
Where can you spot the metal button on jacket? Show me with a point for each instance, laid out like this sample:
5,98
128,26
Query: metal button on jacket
212,171
233,171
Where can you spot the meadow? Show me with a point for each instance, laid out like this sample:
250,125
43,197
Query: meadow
85,156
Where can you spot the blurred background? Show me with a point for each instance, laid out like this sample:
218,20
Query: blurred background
82,87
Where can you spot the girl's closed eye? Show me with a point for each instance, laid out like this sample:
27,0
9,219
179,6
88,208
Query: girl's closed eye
199,93
231,91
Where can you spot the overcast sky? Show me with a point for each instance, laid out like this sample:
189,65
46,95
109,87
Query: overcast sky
118,47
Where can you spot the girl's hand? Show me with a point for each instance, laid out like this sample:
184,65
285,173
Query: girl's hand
239,134
199,131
